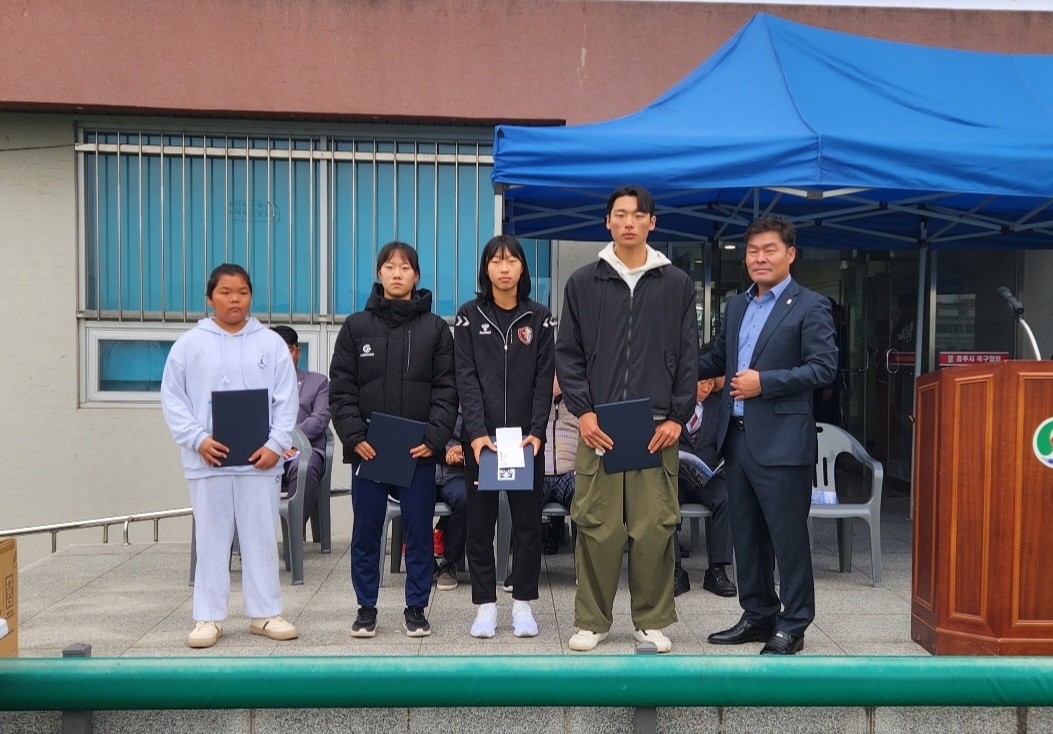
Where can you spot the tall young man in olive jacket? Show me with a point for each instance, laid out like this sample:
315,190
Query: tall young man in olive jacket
627,331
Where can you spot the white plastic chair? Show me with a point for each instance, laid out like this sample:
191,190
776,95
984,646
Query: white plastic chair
834,441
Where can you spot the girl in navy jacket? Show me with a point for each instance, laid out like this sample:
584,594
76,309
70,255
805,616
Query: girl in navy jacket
393,357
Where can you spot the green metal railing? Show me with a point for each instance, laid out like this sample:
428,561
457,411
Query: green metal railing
550,680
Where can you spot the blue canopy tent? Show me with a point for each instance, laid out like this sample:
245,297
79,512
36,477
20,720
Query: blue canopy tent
864,143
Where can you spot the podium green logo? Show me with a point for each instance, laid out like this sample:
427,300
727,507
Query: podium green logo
1042,443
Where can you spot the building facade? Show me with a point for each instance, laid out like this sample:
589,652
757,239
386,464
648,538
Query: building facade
143,143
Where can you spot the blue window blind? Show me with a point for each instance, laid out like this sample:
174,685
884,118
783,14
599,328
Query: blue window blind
161,210
435,196
132,365
157,223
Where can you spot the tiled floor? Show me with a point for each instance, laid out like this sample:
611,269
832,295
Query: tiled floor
134,601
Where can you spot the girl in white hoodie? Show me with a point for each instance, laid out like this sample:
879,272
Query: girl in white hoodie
231,351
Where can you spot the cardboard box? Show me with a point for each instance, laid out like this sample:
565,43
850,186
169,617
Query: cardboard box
9,597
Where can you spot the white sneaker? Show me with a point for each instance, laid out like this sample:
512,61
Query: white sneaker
205,634
655,637
583,640
485,624
274,628
523,623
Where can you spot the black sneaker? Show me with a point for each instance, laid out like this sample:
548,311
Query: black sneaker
416,623
366,623
681,582
507,585
716,581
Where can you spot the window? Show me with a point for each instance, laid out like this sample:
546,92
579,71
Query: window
305,214
126,364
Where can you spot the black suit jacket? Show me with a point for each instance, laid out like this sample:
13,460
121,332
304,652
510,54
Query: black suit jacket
795,353
705,444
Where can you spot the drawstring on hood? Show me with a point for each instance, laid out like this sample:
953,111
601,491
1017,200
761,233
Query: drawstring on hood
252,325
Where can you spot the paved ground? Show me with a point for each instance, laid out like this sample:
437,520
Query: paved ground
134,601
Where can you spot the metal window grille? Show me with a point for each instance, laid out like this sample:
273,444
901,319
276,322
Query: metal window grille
304,213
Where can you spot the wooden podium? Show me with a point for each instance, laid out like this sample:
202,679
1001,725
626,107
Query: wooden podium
983,511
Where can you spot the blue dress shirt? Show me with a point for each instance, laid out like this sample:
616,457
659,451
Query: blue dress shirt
757,312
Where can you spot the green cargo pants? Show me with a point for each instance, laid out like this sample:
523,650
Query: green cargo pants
607,508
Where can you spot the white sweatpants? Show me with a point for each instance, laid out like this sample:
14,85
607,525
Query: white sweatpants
249,503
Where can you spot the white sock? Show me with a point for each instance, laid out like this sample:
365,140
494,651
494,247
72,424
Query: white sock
523,623
485,624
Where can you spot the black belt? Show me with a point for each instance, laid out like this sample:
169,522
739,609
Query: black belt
736,422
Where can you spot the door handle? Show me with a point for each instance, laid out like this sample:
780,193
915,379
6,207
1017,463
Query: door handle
888,362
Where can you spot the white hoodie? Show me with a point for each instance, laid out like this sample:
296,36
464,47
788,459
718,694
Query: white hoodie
655,259
207,358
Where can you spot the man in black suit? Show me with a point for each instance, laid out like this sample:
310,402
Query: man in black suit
699,438
312,419
775,347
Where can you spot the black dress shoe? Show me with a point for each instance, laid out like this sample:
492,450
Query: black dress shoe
716,580
681,582
782,643
741,633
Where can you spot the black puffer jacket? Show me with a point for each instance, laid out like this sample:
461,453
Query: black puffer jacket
395,357
504,379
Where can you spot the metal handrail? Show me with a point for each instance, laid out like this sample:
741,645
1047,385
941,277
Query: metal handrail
42,684
103,522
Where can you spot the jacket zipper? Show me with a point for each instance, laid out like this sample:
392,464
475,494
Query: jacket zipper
506,339
628,348
409,348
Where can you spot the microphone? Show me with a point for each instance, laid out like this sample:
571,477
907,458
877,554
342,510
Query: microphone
1006,295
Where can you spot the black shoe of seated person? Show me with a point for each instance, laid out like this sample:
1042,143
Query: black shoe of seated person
717,582
681,583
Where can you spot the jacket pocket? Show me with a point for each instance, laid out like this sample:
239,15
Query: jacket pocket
671,362
590,505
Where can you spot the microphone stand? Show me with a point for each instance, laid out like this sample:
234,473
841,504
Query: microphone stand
1018,310
1030,335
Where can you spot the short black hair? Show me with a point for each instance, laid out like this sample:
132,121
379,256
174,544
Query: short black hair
644,200
287,333
773,223
389,251
496,245
226,269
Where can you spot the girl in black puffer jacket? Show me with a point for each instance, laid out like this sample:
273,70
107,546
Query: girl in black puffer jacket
394,357
504,347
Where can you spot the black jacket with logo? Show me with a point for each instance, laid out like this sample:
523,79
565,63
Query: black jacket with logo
619,345
504,379
394,357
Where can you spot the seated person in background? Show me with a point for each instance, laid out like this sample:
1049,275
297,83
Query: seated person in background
449,488
561,446
700,438
312,419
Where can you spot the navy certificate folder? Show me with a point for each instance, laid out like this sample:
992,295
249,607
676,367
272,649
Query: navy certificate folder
392,437
491,478
630,424
241,421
